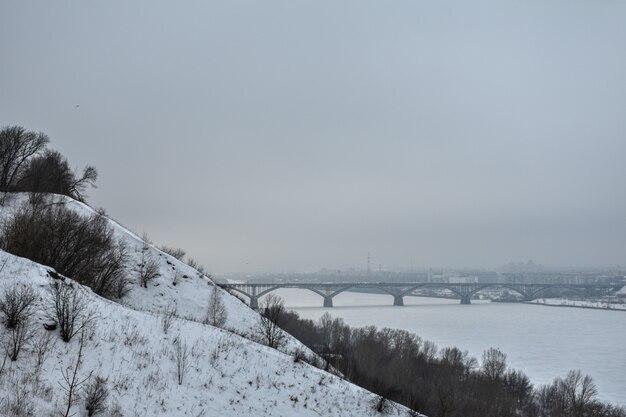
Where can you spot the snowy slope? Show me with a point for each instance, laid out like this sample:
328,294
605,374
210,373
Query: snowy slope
178,285
227,375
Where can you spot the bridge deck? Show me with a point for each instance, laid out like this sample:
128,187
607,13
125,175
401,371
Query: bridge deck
464,291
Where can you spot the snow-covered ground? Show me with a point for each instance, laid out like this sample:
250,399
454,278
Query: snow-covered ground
178,285
561,302
226,374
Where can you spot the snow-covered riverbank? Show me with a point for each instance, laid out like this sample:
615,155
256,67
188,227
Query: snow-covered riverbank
559,302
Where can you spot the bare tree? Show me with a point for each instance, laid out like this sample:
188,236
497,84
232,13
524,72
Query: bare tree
272,316
572,396
16,303
17,145
579,392
51,173
216,312
70,310
181,356
148,267
326,324
79,185
494,363
71,382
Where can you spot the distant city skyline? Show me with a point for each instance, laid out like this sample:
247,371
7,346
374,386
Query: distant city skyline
293,136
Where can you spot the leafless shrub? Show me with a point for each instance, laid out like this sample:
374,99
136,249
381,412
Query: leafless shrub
299,356
168,317
133,337
42,345
70,310
413,413
16,303
96,395
181,356
19,403
122,286
36,198
177,253
316,361
83,248
19,335
237,296
116,410
148,267
111,280
196,265
216,312
381,404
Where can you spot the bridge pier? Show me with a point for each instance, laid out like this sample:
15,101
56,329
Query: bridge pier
398,300
466,299
328,301
254,303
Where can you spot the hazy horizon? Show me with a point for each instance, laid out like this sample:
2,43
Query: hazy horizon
293,136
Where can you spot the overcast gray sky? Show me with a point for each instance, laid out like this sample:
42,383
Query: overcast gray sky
295,135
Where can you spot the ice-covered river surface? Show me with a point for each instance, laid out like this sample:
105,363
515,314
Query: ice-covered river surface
544,342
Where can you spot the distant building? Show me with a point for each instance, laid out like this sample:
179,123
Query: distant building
462,280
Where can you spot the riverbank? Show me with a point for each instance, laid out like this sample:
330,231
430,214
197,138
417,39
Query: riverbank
595,305
544,343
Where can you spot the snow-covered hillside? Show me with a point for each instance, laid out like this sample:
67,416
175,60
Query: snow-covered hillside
128,345
178,286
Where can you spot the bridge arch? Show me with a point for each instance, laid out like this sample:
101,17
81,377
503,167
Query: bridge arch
396,292
507,286
328,297
464,296
535,294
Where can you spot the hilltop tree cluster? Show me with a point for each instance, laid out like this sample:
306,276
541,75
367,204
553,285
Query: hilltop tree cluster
26,164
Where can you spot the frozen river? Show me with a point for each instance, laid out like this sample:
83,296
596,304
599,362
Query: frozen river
544,342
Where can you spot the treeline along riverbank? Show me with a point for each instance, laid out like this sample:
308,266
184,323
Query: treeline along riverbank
400,366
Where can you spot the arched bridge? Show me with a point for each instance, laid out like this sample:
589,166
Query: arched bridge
464,291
